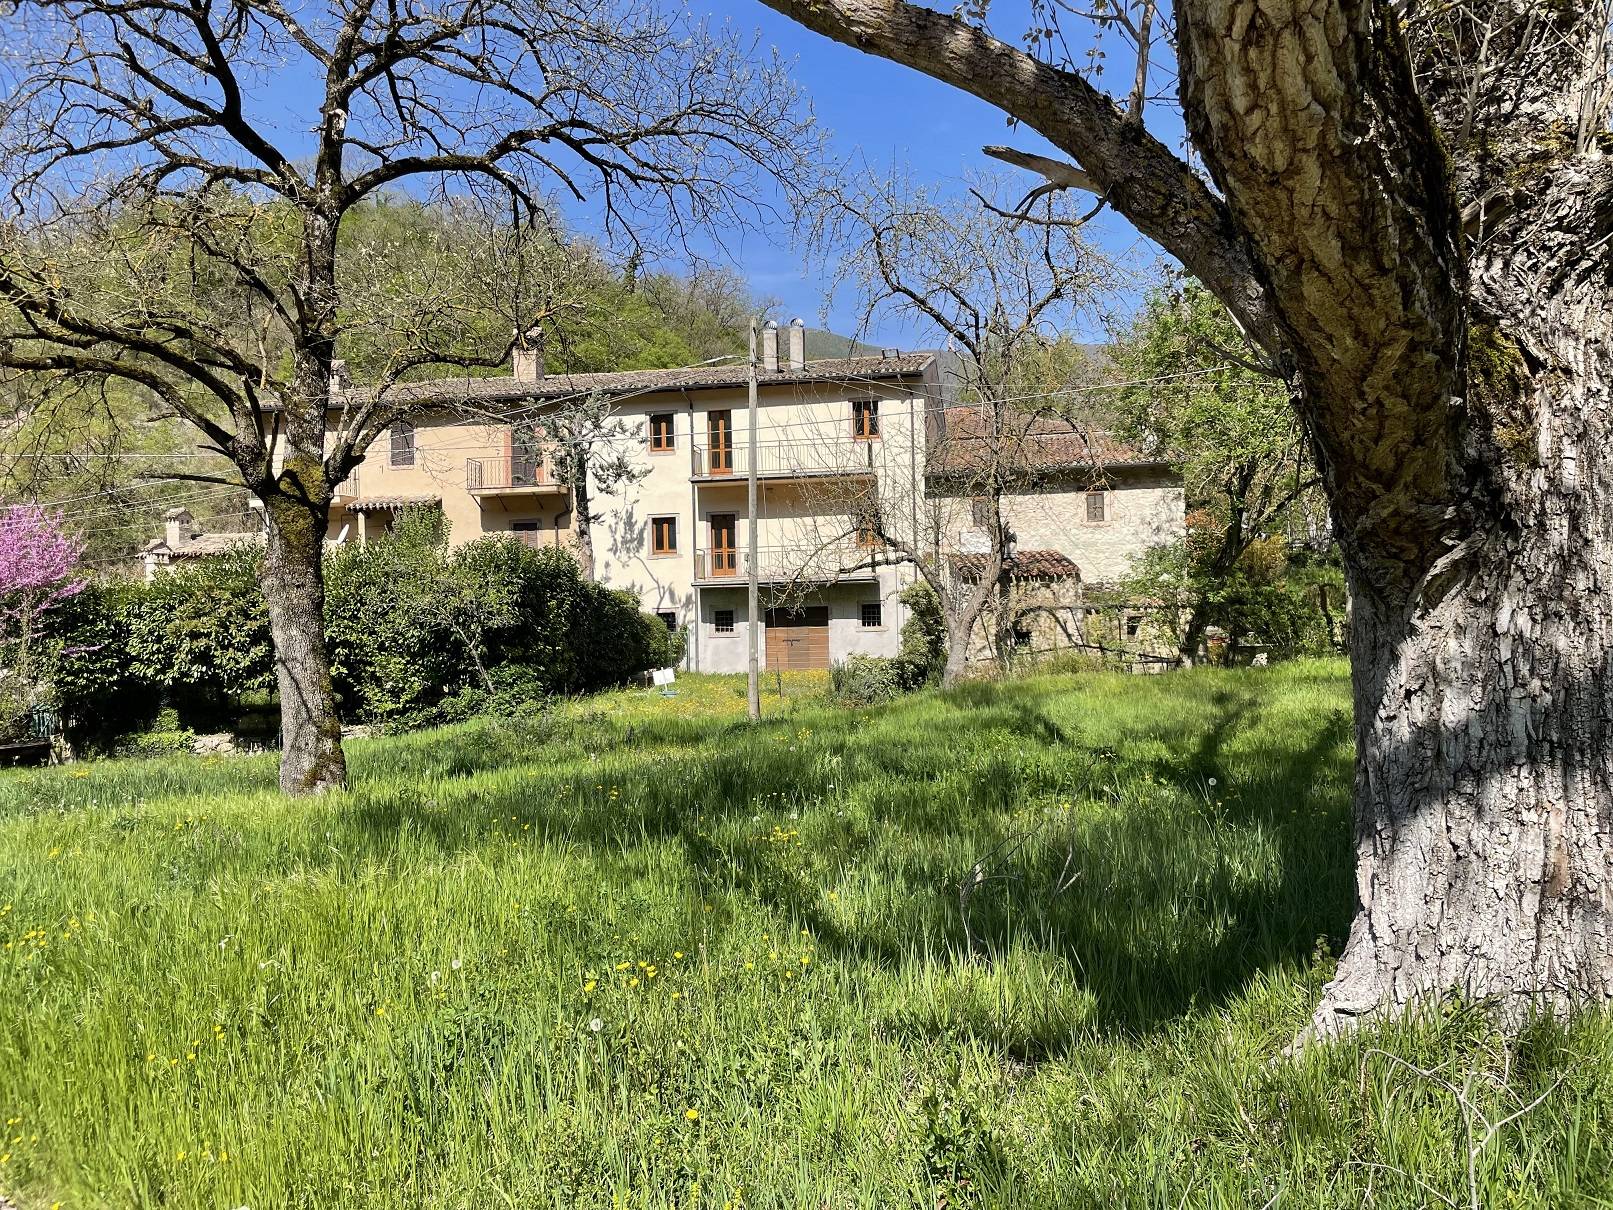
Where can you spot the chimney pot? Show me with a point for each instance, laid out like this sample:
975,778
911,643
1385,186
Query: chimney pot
178,527
797,344
527,359
770,346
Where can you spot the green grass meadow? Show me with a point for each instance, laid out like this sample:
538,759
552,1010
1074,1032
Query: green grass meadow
640,954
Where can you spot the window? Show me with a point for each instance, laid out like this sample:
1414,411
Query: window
1134,625
661,432
528,532
663,535
668,618
1022,637
1097,506
722,621
873,614
403,444
868,532
865,419
980,512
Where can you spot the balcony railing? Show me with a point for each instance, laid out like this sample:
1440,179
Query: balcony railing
811,456
347,489
781,564
513,474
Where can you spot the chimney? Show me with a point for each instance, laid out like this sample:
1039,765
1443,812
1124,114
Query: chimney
527,359
797,344
178,527
770,346
340,379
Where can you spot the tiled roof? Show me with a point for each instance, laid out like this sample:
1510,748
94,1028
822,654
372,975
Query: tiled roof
1022,565
448,391
381,504
202,545
1040,443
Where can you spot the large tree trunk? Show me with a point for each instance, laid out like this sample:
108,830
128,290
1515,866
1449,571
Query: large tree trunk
1423,235
1198,624
1484,710
582,519
311,759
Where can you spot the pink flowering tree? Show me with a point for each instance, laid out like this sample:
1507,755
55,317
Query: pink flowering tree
39,569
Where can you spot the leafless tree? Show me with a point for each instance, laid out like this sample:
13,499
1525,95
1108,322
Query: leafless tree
1411,216
148,125
997,286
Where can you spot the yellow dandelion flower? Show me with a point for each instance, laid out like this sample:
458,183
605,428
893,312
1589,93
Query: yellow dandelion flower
692,1114
590,985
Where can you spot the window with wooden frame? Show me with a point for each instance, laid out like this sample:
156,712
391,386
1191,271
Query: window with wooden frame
662,432
722,621
663,535
873,614
865,419
402,444
1097,505
980,511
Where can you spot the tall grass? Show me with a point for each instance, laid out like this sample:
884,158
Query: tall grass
641,954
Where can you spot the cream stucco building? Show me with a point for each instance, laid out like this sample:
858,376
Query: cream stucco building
835,438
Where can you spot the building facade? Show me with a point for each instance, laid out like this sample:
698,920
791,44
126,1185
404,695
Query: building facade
835,440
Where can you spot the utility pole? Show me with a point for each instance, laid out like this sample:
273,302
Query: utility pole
753,627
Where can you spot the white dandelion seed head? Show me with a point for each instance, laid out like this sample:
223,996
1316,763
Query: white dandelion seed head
595,1025
455,964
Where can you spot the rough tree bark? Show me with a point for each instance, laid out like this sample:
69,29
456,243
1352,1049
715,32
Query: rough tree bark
582,519
1435,273
294,589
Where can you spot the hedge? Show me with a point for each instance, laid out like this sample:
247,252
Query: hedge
416,631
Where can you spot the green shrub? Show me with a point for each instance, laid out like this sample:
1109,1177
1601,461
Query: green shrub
923,654
98,689
865,680
201,633
390,623
417,633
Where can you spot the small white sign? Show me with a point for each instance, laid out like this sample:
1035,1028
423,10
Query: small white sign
664,676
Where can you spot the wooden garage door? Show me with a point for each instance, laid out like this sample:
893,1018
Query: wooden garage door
798,638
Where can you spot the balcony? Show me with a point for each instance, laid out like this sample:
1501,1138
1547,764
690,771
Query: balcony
517,476
804,458
347,489
842,563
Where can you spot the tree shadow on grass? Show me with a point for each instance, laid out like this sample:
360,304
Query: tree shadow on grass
1182,892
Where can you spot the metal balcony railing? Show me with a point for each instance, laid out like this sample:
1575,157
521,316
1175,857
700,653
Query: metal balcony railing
520,473
821,455
780,564
347,489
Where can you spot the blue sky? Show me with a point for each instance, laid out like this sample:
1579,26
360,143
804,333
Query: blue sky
879,113
889,116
